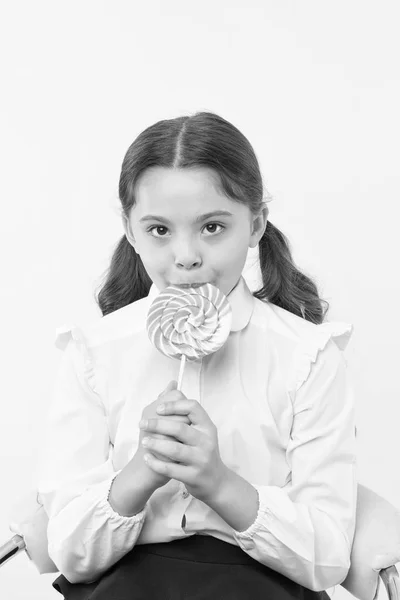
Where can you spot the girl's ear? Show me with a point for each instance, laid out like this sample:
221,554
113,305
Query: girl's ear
128,232
258,226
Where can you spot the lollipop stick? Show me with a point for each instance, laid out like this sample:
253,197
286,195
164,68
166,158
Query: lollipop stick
182,368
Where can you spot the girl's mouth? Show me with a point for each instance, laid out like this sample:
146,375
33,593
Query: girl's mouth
188,285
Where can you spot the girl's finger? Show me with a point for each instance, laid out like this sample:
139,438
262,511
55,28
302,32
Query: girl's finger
169,469
191,408
174,451
181,431
171,386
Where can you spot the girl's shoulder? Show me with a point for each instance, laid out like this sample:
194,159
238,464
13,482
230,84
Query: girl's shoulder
273,317
123,322
301,339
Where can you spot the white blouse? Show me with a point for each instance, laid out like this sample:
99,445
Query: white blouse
277,391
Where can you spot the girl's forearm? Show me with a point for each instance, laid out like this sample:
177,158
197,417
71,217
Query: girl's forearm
130,491
235,500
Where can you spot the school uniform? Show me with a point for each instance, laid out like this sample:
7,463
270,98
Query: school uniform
279,394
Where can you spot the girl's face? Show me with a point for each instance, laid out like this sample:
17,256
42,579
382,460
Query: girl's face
180,238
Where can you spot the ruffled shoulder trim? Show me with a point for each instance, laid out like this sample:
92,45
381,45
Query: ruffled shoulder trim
308,350
72,331
63,335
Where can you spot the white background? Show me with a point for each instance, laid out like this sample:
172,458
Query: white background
315,87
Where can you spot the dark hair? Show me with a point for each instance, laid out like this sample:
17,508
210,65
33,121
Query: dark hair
206,140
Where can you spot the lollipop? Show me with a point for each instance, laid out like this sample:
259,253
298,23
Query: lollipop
189,323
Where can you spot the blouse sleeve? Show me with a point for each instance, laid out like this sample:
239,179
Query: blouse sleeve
305,530
75,472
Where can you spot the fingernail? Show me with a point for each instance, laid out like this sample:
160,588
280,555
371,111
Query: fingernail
161,408
146,441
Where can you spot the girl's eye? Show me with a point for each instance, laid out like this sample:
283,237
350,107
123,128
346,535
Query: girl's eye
214,225
156,227
151,229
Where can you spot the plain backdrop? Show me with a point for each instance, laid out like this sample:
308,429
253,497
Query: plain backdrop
314,86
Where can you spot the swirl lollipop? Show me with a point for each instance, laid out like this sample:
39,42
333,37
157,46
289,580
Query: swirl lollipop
189,323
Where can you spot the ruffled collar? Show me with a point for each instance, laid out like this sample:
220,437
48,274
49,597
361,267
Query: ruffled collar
240,299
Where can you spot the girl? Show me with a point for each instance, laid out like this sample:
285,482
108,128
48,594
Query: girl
243,484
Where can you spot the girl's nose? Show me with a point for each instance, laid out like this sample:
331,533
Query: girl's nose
188,264
187,256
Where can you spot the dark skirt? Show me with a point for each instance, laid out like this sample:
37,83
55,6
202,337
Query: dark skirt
193,568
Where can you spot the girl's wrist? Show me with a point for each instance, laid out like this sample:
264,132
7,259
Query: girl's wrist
139,465
131,489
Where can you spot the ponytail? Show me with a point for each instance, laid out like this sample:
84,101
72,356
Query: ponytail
283,284
126,279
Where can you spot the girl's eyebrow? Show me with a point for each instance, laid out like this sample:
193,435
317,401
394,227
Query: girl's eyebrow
215,213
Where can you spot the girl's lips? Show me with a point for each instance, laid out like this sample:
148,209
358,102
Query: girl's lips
188,285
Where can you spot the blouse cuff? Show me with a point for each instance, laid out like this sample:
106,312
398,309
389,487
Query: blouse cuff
112,514
273,504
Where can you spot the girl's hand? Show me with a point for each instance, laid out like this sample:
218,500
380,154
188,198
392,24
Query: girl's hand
193,457
170,394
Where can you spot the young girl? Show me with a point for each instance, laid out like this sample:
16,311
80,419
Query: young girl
247,486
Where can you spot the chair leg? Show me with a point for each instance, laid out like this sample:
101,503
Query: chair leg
11,548
390,577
